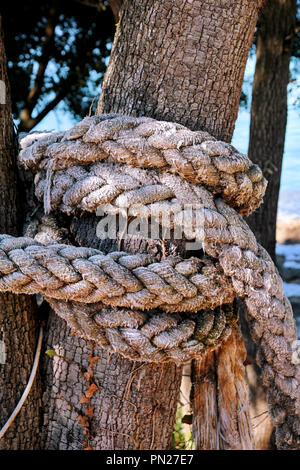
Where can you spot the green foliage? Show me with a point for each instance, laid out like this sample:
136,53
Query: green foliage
74,58
51,353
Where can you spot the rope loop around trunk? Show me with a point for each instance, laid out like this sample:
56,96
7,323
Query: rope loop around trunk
175,309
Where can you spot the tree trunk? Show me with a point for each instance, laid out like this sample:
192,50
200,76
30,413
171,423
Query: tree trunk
275,36
18,322
171,60
219,396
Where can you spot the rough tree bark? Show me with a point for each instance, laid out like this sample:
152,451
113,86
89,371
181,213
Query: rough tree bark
275,36
18,322
171,60
115,6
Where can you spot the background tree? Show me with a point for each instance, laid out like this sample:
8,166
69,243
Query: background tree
19,324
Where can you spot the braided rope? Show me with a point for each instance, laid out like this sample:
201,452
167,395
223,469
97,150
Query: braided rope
45,229
121,161
196,157
118,279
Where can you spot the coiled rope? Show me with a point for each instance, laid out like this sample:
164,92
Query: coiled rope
131,304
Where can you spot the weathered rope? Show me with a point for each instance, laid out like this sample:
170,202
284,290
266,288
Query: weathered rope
28,387
119,161
45,229
149,336
143,143
160,337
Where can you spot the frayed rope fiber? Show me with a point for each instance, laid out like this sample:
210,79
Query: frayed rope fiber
175,309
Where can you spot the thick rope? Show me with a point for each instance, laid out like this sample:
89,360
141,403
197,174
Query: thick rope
118,279
160,338
149,336
94,164
28,387
145,143
45,229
